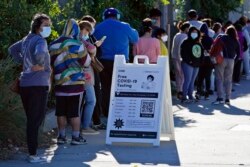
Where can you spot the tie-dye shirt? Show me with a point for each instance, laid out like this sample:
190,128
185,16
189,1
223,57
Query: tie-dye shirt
68,58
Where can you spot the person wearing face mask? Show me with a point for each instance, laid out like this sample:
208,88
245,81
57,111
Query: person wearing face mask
176,56
68,58
192,53
161,34
119,35
90,98
32,53
147,45
155,16
97,123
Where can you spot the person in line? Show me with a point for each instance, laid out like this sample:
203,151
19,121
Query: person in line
155,15
176,56
224,71
238,62
209,23
147,45
161,34
32,53
193,20
206,67
243,21
119,35
217,27
68,57
192,55
96,118
90,98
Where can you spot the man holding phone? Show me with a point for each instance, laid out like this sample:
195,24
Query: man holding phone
118,36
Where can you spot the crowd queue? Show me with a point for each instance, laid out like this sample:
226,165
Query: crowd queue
207,55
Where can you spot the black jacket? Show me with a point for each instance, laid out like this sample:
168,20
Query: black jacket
192,51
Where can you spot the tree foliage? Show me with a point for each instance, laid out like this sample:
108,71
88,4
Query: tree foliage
208,8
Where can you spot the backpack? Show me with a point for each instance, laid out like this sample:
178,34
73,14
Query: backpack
216,52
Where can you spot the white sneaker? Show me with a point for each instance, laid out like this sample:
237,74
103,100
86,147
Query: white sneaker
89,131
36,159
237,84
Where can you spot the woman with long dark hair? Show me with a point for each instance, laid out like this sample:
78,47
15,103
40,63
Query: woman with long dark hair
224,71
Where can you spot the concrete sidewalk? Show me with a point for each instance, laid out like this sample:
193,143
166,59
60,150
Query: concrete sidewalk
206,135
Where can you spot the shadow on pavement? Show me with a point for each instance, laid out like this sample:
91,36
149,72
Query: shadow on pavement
166,154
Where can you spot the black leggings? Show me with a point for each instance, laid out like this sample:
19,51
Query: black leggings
34,100
237,71
204,73
106,80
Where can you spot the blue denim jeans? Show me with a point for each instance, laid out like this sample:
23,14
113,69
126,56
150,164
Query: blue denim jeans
246,62
190,74
89,105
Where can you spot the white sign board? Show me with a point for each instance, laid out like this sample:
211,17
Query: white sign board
137,102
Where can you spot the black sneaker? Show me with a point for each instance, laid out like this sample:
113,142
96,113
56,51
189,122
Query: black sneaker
211,92
186,101
78,140
61,139
207,96
180,95
197,97
218,101
227,102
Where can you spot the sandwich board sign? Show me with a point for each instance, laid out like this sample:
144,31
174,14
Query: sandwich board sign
140,108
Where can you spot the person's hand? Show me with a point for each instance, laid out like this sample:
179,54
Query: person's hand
37,68
99,43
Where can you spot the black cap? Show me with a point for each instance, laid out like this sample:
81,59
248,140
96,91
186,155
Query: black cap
192,13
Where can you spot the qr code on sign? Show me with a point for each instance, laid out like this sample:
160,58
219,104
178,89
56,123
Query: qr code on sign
147,108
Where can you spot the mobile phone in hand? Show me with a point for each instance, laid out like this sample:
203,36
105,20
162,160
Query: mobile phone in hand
103,38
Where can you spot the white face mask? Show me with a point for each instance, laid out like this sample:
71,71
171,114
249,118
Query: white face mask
164,38
194,35
85,37
46,32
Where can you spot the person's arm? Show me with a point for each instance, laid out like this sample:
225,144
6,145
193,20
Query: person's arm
135,51
173,51
85,58
183,50
158,47
90,48
15,51
133,35
41,51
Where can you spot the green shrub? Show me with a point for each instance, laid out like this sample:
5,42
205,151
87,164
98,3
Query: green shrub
12,117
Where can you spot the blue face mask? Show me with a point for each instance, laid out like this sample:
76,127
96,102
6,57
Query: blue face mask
154,21
194,35
85,37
